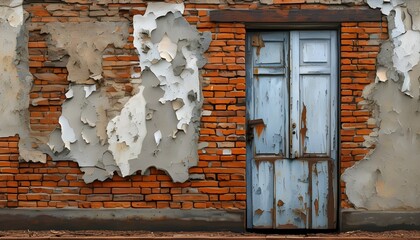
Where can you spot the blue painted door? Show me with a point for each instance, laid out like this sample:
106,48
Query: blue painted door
291,129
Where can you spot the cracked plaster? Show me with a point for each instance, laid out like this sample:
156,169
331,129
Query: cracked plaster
158,125
15,78
387,179
166,109
84,43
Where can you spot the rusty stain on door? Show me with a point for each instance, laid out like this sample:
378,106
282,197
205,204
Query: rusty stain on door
291,129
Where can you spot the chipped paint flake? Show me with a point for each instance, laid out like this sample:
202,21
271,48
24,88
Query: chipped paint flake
67,133
69,94
126,132
167,49
158,137
89,89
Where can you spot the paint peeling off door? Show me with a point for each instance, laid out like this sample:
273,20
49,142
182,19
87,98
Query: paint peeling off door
292,115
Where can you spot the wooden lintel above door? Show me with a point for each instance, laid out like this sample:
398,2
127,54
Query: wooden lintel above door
296,15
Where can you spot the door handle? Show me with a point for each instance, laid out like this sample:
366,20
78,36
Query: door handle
250,127
253,123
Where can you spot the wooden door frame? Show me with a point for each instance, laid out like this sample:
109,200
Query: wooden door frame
257,27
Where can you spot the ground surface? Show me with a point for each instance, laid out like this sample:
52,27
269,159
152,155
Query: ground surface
53,234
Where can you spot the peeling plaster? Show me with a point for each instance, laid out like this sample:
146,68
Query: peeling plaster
87,110
387,179
158,127
84,43
15,79
79,135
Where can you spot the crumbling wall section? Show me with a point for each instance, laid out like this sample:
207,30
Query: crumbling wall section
387,179
159,125
15,79
87,109
218,180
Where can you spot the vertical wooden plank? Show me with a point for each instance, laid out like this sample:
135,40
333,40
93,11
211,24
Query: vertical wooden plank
269,105
294,95
334,127
249,113
315,114
292,194
269,92
320,187
262,194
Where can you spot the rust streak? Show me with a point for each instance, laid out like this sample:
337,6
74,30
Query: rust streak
287,226
259,129
259,211
303,128
301,214
258,42
300,199
316,205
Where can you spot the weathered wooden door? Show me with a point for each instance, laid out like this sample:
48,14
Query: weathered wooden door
292,132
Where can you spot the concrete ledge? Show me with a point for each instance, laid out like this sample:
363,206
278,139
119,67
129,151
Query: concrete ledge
122,219
352,220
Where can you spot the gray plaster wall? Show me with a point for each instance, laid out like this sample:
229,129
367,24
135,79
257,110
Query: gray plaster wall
388,178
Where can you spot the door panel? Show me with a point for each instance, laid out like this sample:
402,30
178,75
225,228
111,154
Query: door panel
269,137
292,194
262,193
269,72
314,115
292,115
320,191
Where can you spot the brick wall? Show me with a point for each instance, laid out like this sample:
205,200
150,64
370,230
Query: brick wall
219,179
359,49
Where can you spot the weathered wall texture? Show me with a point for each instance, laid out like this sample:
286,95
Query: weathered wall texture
387,179
12,86
15,79
87,110
99,65
158,127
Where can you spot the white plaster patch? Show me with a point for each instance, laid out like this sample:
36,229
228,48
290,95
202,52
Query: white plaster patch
89,89
67,133
381,74
167,49
69,94
158,137
127,131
